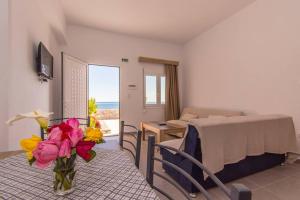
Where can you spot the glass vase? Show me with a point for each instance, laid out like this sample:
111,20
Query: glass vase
64,175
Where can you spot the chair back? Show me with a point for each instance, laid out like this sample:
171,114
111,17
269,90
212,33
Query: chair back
237,192
136,135
82,122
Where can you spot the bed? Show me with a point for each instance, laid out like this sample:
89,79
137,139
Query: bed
254,160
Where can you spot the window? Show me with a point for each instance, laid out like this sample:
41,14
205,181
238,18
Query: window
151,90
155,89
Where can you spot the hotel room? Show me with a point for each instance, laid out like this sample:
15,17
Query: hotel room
162,99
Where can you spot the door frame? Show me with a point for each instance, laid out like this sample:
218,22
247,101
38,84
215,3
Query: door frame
103,65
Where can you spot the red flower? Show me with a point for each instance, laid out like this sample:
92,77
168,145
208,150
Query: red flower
84,150
52,127
66,129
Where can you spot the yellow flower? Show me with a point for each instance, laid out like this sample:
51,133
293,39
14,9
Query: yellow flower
92,106
93,134
29,145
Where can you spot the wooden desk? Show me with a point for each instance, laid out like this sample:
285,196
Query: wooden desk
162,131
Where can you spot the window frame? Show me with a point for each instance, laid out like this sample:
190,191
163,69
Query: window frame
158,76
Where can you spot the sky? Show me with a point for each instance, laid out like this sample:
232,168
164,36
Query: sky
104,83
151,89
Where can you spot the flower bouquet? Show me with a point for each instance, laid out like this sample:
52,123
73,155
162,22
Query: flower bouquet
64,142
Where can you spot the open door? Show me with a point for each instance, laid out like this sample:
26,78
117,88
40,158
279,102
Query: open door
104,90
74,87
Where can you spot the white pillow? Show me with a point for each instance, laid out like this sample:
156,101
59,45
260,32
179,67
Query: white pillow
187,117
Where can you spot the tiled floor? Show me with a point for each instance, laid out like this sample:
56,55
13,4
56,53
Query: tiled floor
279,183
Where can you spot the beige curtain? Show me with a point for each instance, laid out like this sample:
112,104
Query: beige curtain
172,107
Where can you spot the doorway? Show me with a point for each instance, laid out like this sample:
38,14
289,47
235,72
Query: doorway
104,97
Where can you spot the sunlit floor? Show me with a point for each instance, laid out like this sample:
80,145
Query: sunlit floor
110,127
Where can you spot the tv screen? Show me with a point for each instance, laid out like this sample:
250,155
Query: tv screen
44,62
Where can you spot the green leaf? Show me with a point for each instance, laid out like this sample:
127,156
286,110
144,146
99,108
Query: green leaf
73,152
100,141
67,184
31,161
56,170
59,165
55,185
93,154
72,175
58,177
56,181
72,159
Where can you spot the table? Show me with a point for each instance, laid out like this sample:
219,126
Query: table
161,131
111,175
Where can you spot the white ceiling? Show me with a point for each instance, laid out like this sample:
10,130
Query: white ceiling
168,20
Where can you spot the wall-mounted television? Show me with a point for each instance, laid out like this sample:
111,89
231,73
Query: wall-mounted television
44,63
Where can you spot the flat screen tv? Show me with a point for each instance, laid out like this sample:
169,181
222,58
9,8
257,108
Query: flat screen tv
44,62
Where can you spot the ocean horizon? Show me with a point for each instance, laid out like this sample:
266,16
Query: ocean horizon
108,105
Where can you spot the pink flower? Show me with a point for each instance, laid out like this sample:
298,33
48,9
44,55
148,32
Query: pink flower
74,123
45,153
65,149
56,136
75,136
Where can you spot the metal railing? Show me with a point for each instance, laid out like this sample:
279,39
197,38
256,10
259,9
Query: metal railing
59,120
237,192
137,136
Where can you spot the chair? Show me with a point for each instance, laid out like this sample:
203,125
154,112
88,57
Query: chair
237,192
82,122
137,135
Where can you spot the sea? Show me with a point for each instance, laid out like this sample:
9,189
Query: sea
108,105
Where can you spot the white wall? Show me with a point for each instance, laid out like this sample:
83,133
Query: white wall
103,48
53,12
4,71
251,61
28,26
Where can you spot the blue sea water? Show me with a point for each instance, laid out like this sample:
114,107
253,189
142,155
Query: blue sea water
107,105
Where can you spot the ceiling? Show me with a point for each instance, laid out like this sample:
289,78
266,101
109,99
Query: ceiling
168,20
